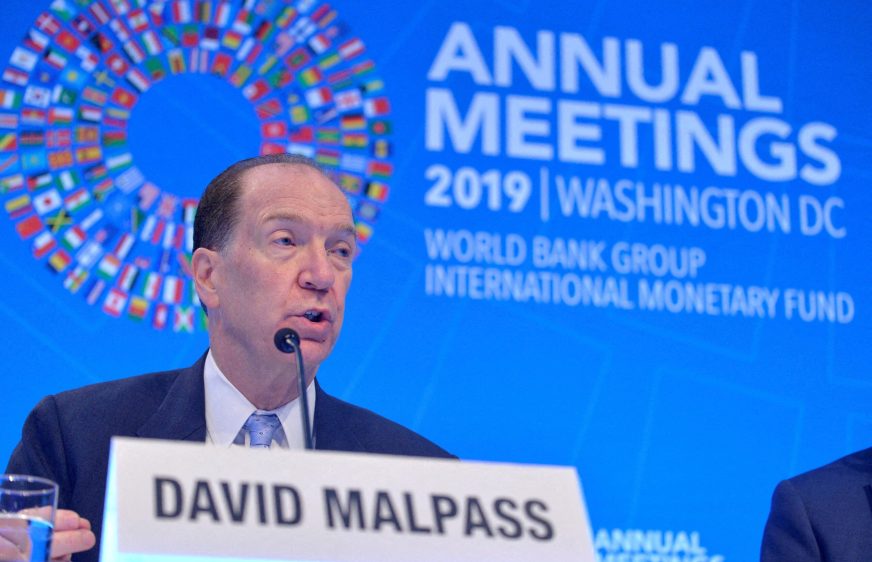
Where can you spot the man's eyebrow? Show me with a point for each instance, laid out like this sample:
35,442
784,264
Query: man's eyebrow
345,228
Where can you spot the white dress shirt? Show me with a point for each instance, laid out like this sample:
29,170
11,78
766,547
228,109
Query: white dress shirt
227,410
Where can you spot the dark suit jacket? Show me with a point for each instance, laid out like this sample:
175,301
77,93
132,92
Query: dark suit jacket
823,515
66,437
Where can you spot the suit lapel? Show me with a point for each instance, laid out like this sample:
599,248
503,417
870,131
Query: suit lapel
182,414
331,430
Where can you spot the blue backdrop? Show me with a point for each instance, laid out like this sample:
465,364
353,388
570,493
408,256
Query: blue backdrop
625,237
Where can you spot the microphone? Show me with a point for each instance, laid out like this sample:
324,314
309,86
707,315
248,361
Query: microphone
288,341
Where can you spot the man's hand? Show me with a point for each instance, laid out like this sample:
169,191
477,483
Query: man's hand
72,534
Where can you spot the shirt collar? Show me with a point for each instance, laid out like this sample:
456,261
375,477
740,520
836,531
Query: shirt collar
227,409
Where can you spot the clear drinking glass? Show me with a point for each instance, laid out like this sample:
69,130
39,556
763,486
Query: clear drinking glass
27,511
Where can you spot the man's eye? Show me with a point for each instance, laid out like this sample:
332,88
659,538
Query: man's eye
342,251
285,241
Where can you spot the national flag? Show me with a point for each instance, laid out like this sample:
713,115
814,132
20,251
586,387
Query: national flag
151,288
87,134
15,76
137,79
88,154
363,68
56,138
119,29
19,206
138,20
134,51
102,42
138,308
121,7
59,220
102,189
299,114
355,140
59,261
23,59
95,96
114,303
108,267
83,26
48,23
316,97
47,201
63,95
37,96
232,40
96,172
34,160
156,69
129,179
127,277
363,231
28,227
298,58
68,179
183,319
221,64
11,183
243,22
276,129
114,138
327,157
353,163
268,109
77,200
377,191
255,90
167,206
9,163
177,61
286,16
323,15
55,58
173,289
60,116
310,76
348,99
376,107
381,148
122,97
159,321
301,149
318,44
87,59
119,161
210,37
328,135
27,138
124,245
280,78
10,99
32,116
73,238
94,291
380,127
350,183
380,169
36,182
190,36
67,41
91,219
75,278
147,195
352,122
151,42
372,86
328,61
8,142
303,134
60,159
181,11
239,77
43,244
117,64
351,49
90,113
99,12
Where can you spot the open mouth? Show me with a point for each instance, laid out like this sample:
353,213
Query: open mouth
313,316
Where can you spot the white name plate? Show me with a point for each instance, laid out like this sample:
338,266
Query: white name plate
173,501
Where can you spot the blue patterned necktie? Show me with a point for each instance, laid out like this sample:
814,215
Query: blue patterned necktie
260,428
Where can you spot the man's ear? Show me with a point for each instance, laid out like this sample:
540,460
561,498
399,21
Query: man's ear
204,264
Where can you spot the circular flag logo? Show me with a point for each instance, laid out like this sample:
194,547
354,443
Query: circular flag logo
70,182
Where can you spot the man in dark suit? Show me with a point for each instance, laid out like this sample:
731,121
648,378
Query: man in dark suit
274,242
824,515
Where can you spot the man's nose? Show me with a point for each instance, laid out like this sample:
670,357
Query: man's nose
316,270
